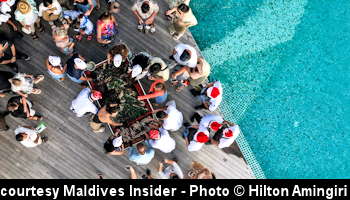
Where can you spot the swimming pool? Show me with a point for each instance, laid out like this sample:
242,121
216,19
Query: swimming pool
285,68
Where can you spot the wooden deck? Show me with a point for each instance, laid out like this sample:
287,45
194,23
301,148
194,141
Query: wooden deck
73,150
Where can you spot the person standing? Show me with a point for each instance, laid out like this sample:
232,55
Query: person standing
157,91
171,117
86,6
28,137
9,54
21,107
173,171
142,154
105,115
61,38
50,11
185,55
211,96
75,68
84,102
86,27
55,69
160,139
182,18
23,84
145,12
27,14
226,135
114,145
158,69
106,28
195,137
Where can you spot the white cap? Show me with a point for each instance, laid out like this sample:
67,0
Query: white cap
117,60
117,142
55,61
4,18
80,63
136,70
5,7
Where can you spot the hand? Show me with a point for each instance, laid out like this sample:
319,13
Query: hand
15,28
27,27
140,21
13,59
149,21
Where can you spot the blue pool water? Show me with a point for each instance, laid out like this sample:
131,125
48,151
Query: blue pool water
285,68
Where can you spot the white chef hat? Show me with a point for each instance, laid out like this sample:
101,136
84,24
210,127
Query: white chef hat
80,63
117,60
117,142
136,70
55,61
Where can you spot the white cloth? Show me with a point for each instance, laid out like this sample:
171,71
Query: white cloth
86,25
26,86
165,144
214,103
194,145
4,18
71,14
205,121
153,7
29,18
192,62
55,61
32,135
6,6
175,118
226,142
118,141
54,4
82,104
80,63
174,168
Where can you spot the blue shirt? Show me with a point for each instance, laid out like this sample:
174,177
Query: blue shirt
139,159
71,70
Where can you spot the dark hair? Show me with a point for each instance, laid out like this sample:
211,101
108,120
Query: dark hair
105,15
81,16
47,2
161,114
183,7
140,59
111,109
108,146
119,49
185,56
175,176
155,68
19,137
139,146
11,105
160,86
145,7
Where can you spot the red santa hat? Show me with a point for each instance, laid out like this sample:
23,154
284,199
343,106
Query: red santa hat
213,92
201,137
154,134
215,126
96,95
227,133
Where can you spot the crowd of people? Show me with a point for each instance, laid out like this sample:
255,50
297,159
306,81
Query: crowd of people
191,70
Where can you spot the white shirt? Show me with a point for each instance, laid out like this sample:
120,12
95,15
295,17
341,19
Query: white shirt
165,144
175,118
174,168
54,4
192,62
194,145
32,135
205,121
82,104
214,103
153,8
226,142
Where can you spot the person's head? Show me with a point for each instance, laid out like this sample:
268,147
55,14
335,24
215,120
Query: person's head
105,16
21,137
54,61
183,8
159,87
113,7
96,95
161,115
154,134
79,64
113,110
23,7
185,56
16,81
145,7
12,107
141,148
47,3
214,125
120,49
80,17
155,68
108,146
174,176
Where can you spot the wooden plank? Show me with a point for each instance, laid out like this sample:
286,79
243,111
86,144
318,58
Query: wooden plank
73,150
